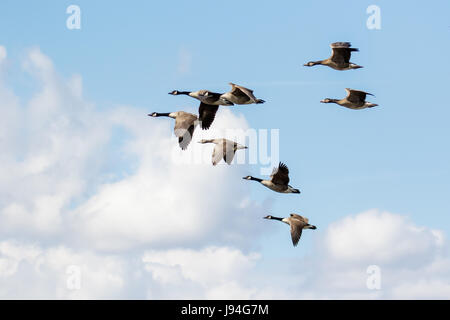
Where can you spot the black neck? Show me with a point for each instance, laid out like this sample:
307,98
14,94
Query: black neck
184,92
162,114
277,218
256,179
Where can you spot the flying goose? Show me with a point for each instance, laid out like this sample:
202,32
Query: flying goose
340,58
355,99
240,95
279,180
223,149
205,96
209,104
185,124
297,223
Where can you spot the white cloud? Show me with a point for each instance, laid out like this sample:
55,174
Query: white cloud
422,289
163,203
404,252
380,237
31,272
51,144
63,142
212,265
214,272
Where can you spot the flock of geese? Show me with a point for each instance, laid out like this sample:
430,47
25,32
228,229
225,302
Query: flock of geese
185,124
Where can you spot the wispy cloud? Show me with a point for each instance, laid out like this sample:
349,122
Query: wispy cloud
184,61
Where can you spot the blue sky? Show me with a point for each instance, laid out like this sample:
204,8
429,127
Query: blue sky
393,158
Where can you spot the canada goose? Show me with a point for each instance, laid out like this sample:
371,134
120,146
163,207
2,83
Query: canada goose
279,180
223,149
240,95
209,104
340,58
185,124
297,223
205,96
355,99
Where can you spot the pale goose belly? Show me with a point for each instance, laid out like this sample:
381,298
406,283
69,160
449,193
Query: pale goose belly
275,187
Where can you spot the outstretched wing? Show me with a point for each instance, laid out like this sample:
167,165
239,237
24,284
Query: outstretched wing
280,175
296,230
210,97
356,96
229,151
184,128
206,113
240,91
184,140
341,52
218,153
298,217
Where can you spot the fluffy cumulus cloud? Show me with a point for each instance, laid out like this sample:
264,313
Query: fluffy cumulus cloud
370,237
163,203
53,183
99,203
213,272
403,254
31,272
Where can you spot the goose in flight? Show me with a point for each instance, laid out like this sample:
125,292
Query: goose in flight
209,104
297,223
240,95
185,124
279,180
205,96
355,100
223,149
340,57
